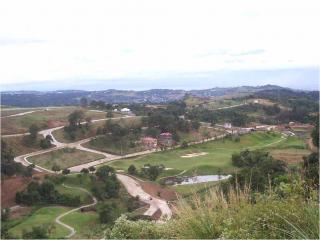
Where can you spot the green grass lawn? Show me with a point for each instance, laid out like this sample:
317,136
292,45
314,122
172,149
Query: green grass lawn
43,119
218,157
43,217
86,224
64,158
85,198
222,103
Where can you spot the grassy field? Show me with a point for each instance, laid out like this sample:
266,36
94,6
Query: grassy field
18,146
64,158
84,197
187,190
43,217
12,111
221,103
61,136
86,224
217,158
44,119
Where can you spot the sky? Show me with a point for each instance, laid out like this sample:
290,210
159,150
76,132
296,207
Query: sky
91,44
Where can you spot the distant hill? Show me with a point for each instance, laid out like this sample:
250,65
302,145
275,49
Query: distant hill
72,97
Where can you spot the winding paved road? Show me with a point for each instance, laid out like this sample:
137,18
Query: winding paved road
58,219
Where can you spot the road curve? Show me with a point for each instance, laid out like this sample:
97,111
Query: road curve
58,219
134,189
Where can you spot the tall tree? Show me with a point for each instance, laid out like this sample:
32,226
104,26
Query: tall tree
315,135
33,130
75,118
83,102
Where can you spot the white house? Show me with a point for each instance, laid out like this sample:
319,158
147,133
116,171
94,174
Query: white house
125,110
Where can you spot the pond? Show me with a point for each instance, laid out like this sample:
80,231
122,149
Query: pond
203,179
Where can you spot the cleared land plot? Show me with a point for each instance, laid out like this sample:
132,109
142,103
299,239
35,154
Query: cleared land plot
202,133
43,119
217,160
290,156
64,158
221,104
43,217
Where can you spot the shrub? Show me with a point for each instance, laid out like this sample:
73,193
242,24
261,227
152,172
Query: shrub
65,171
126,229
184,144
132,170
84,170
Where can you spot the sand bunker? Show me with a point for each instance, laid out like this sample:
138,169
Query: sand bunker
190,155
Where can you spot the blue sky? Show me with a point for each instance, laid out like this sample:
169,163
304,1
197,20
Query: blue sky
171,44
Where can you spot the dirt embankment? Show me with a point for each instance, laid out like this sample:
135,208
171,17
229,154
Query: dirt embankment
312,147
10,186
159,192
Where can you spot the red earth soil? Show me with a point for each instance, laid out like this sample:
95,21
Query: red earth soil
10,186
154,190
52,123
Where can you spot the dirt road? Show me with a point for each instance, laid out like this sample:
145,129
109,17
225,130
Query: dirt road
134,189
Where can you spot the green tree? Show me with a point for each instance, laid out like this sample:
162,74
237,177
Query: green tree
109,114
311,169
8,166
92,169
104,172
184,144
56,168
84,170
5,214
38,232
33,130
84,102
315,135
154,172
258,169
65,171
107,213
75,118
112,186
132,170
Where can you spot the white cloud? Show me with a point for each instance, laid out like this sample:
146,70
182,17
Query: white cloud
111,39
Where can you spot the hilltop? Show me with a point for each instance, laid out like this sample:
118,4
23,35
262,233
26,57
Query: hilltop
71,97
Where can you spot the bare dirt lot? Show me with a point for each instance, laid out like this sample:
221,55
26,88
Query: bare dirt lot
19,211
290,156
153,189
